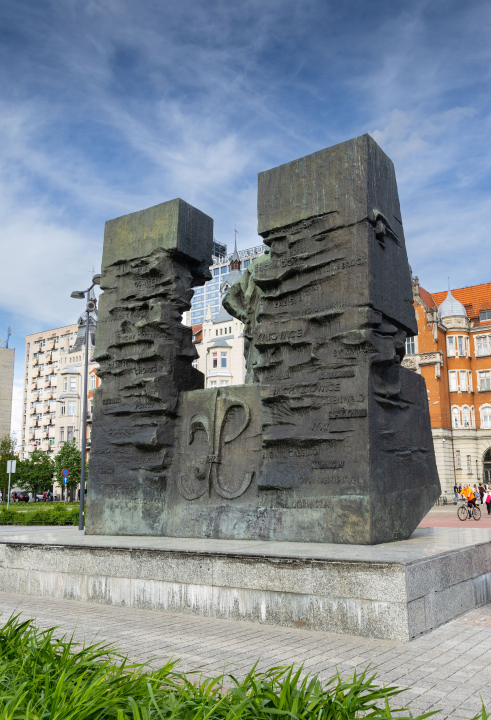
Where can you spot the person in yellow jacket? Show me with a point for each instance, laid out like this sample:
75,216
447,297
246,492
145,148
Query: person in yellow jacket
468,494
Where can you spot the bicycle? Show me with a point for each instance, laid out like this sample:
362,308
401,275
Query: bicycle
465,511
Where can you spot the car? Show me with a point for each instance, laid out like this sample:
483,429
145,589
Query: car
20,497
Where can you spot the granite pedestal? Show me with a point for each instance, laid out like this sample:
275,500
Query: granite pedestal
395,591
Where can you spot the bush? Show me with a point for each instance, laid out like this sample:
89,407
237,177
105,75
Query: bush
59,508
35,518
7,517
43,676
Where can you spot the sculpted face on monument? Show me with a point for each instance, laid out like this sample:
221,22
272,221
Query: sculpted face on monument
329,440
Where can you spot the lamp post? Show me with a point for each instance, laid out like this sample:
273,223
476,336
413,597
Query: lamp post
89,306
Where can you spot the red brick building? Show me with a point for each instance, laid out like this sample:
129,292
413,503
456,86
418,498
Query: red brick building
453,353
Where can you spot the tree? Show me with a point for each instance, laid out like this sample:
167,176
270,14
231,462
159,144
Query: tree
35,473
69,456
8,451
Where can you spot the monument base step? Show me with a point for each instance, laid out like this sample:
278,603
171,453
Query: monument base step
395,591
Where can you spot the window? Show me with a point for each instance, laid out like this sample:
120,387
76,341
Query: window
214,360
465,417
71,408
223,382
216,332
483,345
223,269
221,331
458,464
65,384
247,263
463,381
484,315
69,433
230,331
469,467
62,435
452,381
460,344
223,359
410,346
51,441
455,417
486,417
92,382
73,384
195,364
63,409
213,383
484,380
216,271
451,347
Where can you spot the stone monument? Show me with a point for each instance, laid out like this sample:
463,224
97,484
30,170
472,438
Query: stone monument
331,440
151,261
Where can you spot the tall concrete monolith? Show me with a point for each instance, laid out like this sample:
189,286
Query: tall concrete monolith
152,259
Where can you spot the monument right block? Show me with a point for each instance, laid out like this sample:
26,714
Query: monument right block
347,442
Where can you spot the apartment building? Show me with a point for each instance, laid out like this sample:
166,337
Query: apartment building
453,353
7,357
53,387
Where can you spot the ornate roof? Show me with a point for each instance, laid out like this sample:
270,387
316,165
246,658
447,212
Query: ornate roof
473,297
451,307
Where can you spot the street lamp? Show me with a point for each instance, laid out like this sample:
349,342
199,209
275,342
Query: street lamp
89,306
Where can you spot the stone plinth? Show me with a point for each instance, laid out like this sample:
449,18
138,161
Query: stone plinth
395,591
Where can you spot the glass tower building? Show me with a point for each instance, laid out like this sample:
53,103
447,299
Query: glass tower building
209,294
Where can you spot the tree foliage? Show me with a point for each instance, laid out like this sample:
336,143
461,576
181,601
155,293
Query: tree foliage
69,456
35,474
8,451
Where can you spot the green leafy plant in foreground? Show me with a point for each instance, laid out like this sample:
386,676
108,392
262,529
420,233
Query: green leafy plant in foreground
43,677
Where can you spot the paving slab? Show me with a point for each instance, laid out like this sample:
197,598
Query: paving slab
214,645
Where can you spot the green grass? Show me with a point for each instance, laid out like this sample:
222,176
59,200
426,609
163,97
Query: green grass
37,507
46,677
41,514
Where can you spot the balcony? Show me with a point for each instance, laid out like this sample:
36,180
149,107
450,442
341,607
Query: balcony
35,362
32,411
50,345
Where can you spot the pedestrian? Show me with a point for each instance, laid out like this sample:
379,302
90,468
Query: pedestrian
481,493
456,492
488,502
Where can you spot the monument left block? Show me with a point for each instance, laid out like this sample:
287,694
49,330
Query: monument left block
152,259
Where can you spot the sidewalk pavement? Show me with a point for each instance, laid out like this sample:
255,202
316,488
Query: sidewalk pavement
446,669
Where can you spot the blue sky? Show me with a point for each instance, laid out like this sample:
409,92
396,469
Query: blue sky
110,106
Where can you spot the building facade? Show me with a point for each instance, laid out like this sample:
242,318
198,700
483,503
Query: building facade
208,296
453,353
7,358
53,387
219,340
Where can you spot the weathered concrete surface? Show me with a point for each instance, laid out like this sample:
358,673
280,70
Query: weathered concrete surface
397,592
347,451
152,259
331,442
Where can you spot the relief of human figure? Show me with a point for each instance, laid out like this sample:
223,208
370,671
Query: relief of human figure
243,301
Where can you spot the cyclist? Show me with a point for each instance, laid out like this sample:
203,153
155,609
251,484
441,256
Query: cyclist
468,494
